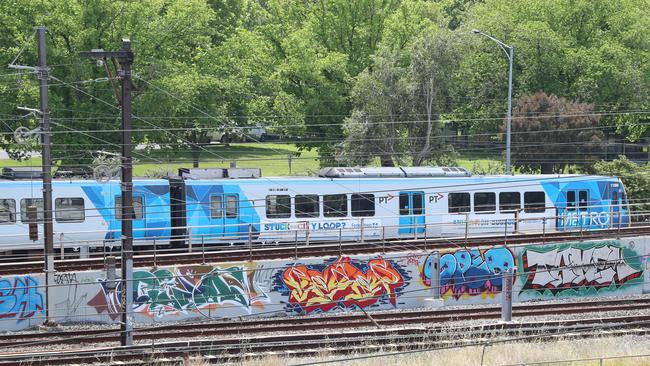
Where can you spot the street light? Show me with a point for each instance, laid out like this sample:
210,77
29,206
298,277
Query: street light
509,51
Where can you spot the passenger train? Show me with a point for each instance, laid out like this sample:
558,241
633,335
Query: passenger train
239,206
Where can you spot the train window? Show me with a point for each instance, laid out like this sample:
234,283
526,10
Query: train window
231,206
363,205
583,200
7,211
138,207
418,203
403,203
571,200
534,202
216,209
509,201
615,197
307,205
485,202
26,202
459,202
335,205
278,207
69,209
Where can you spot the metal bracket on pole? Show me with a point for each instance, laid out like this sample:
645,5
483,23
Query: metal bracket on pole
111,273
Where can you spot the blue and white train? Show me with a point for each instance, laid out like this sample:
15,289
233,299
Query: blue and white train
214,206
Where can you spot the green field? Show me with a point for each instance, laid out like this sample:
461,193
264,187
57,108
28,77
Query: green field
272,158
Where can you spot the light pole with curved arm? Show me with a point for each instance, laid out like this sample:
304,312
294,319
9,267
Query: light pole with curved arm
509,51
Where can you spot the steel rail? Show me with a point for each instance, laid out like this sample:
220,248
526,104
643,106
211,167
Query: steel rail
340,342
304,323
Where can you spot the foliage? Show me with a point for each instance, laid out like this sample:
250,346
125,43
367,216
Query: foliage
401,102
318,72
549,133
491,168
593,51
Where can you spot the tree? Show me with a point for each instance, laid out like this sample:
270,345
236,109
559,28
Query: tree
401,101
549,133
164,35
593,51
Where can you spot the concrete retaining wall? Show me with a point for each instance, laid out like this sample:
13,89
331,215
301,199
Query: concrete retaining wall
317,285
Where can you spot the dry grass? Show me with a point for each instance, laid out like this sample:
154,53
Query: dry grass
501,354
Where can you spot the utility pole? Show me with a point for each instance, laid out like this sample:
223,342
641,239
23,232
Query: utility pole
46,163
48,227
125,58
506,293
434,261
509,51
511,56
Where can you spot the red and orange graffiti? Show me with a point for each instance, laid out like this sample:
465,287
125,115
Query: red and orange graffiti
341,284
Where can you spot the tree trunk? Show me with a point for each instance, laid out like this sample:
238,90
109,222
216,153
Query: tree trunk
196,153
419,158
547,168
386,160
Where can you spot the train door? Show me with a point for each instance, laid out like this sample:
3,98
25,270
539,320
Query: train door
573,212
615,205
178,211
231,226
566,210
411,213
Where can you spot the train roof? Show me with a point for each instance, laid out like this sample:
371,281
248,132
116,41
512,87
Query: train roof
316,178
198,176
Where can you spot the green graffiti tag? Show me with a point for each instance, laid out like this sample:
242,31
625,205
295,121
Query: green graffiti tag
183,290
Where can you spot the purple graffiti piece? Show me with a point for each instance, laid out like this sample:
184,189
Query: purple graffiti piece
471,273
448,264
463,261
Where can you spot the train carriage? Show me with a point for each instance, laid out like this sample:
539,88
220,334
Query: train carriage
221,206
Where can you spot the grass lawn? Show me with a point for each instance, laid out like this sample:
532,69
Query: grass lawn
33,162
481,162
272,158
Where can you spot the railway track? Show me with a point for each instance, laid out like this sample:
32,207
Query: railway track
296,324
211,254
336,342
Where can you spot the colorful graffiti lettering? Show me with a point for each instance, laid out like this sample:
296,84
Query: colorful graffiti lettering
578,268
470,272
183,290
21,299
342,284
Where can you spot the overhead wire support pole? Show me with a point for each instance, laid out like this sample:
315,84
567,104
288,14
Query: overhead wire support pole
125,59
48,227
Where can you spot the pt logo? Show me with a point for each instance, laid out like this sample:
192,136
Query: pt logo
386,198
434,198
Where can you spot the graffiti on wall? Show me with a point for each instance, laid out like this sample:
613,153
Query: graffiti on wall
579,268
341,283
20,298
470,272
183,290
